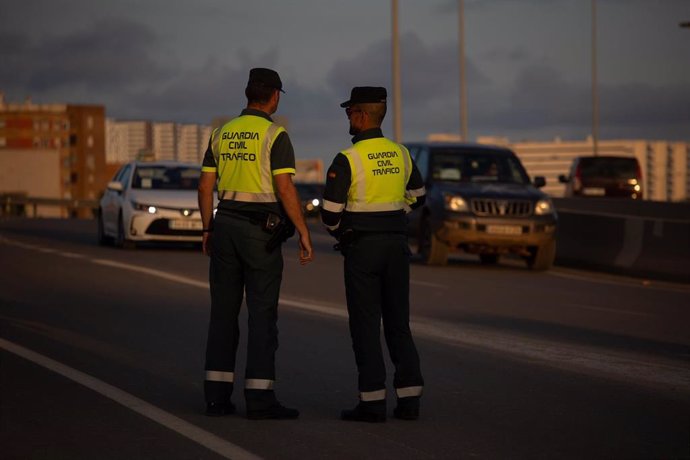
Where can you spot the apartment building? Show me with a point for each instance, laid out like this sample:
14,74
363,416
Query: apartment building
131,140
67,139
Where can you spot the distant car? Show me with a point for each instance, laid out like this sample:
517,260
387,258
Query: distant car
151,201
604,176
311,196
480,200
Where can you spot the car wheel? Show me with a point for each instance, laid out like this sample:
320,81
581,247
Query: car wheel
433,250
103,239
121,241
542,257
488,259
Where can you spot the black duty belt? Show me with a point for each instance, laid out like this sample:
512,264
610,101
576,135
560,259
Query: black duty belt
257,217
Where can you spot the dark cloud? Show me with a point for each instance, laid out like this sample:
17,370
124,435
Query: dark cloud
428,73
105,56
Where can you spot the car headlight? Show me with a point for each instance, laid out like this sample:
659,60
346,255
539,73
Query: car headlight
544,206
315,202
144,207
455,203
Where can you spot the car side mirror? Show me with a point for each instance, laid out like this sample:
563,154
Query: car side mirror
539,181
563,179
115,186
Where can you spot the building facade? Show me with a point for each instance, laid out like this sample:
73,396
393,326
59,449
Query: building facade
132,140
76,133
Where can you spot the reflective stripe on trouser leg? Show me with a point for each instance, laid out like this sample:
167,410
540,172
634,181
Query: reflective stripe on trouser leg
220,376
368,396
258,384
408,392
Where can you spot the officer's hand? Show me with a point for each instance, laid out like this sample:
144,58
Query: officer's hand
306,254
206,243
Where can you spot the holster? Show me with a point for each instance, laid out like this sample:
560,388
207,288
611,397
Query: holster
280,227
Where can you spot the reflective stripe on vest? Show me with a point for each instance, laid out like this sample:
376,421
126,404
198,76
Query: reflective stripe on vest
380,171
242,150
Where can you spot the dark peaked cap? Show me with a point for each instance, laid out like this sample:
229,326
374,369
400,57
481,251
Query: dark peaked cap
366,94
265,77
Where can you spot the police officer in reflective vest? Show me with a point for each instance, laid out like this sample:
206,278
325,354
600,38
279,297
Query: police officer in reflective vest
369,189
251,160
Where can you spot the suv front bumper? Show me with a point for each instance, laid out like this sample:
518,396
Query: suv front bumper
501,234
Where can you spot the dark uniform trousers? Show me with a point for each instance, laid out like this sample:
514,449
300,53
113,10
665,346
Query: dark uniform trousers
239,262
377,272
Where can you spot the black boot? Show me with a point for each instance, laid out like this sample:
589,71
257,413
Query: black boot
218,409
407,408
370,411
263,405
275,412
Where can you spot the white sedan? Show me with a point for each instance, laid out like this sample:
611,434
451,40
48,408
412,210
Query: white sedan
151,201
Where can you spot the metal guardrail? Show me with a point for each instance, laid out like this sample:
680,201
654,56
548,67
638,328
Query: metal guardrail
18,204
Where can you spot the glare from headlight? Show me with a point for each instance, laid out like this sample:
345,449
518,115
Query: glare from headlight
144,207
543,207
456,203
637,187
315,202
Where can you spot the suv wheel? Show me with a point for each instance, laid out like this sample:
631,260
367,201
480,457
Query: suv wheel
433,250
488,259
542,257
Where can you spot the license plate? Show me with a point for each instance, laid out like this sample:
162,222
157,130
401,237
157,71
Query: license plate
185,224
596,191
504,229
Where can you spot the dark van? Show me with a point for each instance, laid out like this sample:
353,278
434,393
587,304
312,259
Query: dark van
604,176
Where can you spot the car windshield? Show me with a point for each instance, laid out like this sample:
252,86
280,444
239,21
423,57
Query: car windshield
453,165
613,168
166,178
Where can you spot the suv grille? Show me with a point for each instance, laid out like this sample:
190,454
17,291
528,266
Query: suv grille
492,207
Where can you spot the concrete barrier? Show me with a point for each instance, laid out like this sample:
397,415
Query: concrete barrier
639,238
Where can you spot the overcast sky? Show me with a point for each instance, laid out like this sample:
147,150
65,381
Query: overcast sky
528,63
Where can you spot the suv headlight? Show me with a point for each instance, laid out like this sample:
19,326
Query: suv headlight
144,207
544,206
455,203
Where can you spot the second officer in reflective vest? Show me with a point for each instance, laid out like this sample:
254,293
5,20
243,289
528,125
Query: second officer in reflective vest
251,160
369,189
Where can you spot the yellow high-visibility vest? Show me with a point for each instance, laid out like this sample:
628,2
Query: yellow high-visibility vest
242,150
380,170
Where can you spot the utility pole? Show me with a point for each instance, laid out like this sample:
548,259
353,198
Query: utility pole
595,92
397,104
463,84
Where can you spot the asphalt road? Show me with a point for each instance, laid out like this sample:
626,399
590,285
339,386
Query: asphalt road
101,356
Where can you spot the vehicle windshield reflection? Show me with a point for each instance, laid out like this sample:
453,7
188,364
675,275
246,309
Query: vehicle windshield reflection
165,178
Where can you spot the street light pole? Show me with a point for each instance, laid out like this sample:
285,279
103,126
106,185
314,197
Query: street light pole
595,92
397,112
463,84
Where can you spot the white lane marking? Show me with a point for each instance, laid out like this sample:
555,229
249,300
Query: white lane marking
608,310
151,271
176,424
428,284
621,365
71,255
